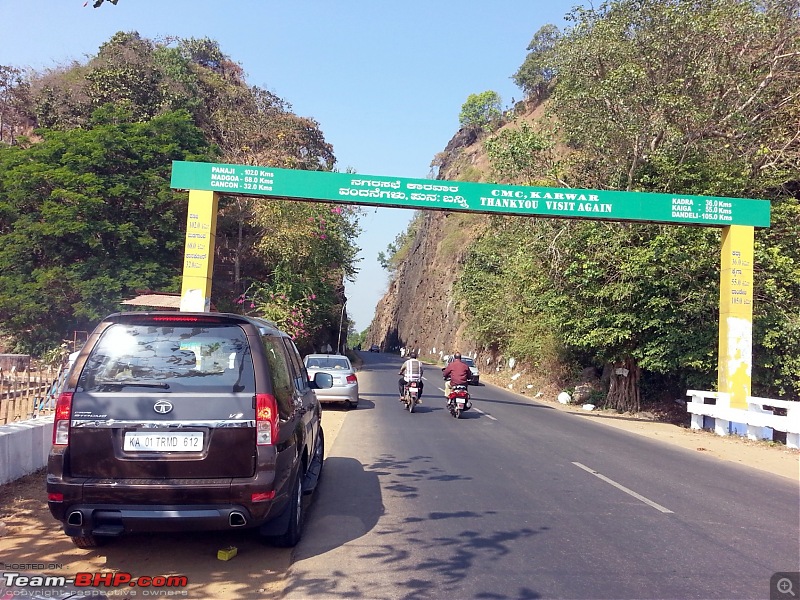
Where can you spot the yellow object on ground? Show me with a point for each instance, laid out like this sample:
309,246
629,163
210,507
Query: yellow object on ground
227,553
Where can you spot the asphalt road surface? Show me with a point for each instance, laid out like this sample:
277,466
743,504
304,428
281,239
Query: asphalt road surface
518,500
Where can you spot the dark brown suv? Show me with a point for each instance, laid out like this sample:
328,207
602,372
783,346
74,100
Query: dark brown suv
175,421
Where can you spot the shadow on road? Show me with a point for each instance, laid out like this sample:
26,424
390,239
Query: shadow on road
340,407
347,505
412,562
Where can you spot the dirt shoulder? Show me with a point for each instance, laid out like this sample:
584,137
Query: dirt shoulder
30,539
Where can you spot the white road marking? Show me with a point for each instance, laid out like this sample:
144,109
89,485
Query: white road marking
478,410
623,488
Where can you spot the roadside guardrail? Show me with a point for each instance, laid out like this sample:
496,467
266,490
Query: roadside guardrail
760,418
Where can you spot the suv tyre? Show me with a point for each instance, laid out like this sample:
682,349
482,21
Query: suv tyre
296,517
88,542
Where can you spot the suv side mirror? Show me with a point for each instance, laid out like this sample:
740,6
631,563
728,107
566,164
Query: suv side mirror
322,381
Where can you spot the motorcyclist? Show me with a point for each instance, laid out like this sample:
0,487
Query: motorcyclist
411,371
456,373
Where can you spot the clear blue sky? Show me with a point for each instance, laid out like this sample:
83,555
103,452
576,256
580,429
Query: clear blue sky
385,80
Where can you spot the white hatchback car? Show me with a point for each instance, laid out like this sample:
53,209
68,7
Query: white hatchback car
345,382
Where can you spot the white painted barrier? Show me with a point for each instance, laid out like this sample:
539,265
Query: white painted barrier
24,446
759,416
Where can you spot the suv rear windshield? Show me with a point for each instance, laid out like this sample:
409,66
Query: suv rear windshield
207,358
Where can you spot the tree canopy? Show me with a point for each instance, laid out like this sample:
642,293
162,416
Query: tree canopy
80,229
481,111
85,180
645,95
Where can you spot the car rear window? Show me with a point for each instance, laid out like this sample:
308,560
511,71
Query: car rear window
327,362
202,358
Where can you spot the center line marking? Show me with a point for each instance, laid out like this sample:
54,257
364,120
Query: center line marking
623,488
478,410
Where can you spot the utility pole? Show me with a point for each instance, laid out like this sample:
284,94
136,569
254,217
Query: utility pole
341,321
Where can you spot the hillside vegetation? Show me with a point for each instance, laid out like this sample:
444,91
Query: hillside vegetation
87,216
699,98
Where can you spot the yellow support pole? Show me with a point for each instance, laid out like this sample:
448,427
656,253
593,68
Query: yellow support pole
198,254
735,360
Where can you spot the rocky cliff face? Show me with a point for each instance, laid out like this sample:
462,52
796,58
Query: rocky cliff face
419,309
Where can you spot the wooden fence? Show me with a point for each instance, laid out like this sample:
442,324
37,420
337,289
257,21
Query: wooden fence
21,394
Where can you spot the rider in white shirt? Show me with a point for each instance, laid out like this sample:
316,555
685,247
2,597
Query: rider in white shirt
411,371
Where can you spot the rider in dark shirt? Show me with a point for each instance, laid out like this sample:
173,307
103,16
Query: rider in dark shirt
457,372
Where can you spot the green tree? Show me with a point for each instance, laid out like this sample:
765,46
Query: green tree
678,96
397,251
537,72
481,111
523,155
14,94
86,218
145,79
309,250
648,103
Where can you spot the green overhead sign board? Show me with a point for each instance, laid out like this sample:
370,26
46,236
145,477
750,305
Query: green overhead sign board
377,190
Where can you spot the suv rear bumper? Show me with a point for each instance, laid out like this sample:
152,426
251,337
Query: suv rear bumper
115,520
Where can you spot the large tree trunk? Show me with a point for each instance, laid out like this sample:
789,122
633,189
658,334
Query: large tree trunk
623,389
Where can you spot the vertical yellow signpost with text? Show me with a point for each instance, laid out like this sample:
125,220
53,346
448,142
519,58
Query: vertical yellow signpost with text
734,369
198,255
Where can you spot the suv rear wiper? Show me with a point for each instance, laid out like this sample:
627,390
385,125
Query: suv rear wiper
164,386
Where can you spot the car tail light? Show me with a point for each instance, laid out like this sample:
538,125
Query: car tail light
352,379
55,497
266,420
61,421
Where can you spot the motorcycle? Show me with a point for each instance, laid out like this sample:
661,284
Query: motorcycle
458,400
411,395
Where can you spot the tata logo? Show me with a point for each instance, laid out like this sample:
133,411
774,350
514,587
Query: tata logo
162,407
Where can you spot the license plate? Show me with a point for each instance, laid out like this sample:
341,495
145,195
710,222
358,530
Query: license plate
167,441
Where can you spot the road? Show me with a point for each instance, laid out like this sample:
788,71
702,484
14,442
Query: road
514,500
518,500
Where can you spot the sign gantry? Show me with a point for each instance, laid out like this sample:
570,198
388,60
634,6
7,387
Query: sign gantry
736,216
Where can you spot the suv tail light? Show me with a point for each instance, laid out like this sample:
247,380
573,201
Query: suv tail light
266,420
352,379
61,422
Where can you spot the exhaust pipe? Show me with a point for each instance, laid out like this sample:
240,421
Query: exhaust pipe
237,519
75,518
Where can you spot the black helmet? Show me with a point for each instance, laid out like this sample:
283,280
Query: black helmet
413,355
457,356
